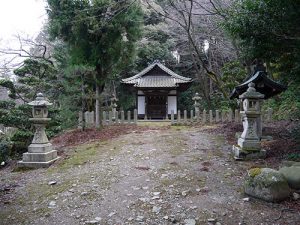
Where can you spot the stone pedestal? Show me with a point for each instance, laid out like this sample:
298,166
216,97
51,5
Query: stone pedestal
40,152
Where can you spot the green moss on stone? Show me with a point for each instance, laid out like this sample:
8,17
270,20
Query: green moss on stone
254,172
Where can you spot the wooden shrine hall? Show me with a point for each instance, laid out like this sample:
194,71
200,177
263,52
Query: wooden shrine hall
157,89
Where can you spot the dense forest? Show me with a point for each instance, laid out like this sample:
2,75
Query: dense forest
87,47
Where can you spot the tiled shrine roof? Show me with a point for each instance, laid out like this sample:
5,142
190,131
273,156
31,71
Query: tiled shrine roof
157,75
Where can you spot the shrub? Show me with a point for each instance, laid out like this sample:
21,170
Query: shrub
5,148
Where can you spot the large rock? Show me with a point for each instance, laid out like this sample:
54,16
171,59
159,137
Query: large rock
292,175
266,184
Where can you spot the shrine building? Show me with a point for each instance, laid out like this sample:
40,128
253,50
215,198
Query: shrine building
157,90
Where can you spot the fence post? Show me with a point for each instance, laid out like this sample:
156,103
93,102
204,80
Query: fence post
86,119
178,117
122,116
172,117
117,117
110,121
236,116
135,116
92,118
80,120
217,116
269,114
128,116
192,115
104,119
89,118
198,116
210,116
223,116
230,115
185,116
204,116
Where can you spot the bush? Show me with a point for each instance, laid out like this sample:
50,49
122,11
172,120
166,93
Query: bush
286,105
5,148
20,141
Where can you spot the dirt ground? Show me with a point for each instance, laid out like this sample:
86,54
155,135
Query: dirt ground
170,175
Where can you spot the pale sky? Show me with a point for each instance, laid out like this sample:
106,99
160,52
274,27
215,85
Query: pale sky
24,17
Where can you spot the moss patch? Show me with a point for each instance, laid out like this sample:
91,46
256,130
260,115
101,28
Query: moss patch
254,172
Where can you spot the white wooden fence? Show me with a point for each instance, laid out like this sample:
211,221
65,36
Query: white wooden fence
185,117
213,116
108,118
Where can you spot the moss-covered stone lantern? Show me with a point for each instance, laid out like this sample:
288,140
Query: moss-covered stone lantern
249,145
196,100
40,152
114,106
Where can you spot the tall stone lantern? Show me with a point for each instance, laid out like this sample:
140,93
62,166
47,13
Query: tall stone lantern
114,106
40,152
196,98
249,145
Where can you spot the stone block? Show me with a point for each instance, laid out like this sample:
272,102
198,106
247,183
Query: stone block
39,148
39,157
249,145
242,154
266,184
37,164
292,175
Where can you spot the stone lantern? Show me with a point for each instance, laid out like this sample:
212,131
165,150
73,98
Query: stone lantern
40,152
114,106
249,145
196,98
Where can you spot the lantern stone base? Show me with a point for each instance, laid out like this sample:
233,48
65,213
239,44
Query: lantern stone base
38,159
40,148
250,144
248,153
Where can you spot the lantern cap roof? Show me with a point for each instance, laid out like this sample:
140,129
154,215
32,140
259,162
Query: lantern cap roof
251,93
40,100
263,84
196,96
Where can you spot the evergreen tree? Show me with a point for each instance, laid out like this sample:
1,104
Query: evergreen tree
269,30
100,34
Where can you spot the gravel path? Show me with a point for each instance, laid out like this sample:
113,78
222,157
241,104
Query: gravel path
170,176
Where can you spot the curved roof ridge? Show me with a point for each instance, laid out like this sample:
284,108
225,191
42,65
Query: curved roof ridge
144,71
173,74
162,67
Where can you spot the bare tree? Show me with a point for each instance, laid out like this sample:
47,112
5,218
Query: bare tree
194,23
12,58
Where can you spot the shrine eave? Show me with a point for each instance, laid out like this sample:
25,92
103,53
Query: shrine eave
157,75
